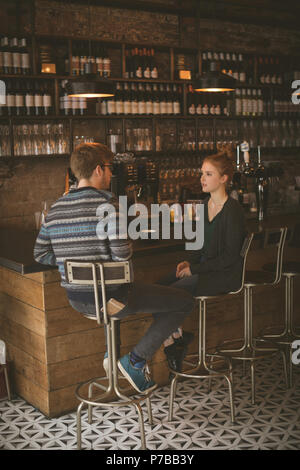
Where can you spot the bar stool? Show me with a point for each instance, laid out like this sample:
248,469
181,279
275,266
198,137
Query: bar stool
249,352
3,366
200,368
103,274
290,269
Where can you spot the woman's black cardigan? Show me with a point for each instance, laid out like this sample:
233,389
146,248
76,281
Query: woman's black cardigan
221,270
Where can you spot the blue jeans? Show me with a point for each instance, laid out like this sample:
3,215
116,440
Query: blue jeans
169,307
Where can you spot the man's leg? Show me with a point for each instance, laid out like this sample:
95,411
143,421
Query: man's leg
169,307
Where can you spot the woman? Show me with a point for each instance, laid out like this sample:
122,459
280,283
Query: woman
217,267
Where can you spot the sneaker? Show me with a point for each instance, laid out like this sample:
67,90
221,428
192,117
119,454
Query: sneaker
138,377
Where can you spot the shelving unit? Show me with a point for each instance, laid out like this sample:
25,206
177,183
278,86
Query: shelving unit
166,58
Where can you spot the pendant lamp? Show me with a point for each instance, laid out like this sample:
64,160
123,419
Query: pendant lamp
90,85
214,80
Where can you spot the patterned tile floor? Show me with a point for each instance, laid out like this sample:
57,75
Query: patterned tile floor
201,420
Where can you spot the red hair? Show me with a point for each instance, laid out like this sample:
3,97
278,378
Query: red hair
223,163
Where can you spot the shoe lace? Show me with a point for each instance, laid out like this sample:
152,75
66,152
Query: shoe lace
147,373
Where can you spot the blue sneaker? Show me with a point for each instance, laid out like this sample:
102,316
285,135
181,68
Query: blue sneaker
138,377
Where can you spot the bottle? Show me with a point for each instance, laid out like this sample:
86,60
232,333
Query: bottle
138,64
75,106
244,102
7,56
10,98
99,62
176,100
29,99
119,100
82,104
163,103
249,103
19,99
47,99
141,100
25,59
235,71
38,99
204,63
191,101
16,56
254,102
148,99
111,106
127,103
106,66
134,99
238,102
169,100
134,58
260,103
153,66
156,103
241,67
147,65
127,64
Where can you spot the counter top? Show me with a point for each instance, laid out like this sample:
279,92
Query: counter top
16,246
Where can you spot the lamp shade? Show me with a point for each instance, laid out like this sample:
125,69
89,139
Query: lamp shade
214,80
90,88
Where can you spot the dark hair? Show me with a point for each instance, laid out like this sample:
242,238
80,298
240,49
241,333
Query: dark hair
223,164
86,157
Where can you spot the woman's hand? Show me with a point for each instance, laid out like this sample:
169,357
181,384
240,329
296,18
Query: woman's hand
185,272
183,266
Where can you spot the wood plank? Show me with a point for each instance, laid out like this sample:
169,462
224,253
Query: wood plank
66,320
23,314
64,374
24,339
55,296
22,288
32,393
91,341
30,367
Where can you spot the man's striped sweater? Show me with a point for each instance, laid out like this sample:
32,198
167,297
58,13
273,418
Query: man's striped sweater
69,232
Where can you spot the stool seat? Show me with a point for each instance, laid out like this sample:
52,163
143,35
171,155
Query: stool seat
288,267
259,277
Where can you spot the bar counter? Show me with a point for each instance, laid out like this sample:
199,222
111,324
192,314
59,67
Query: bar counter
52,347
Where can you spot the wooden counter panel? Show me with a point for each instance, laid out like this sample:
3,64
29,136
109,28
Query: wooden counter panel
91,341
25,340
66,320
78,370
55,296
28,366
21,288
33,393
23,314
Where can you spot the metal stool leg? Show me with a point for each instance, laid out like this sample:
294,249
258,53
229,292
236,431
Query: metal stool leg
79,408
172,397
201,370
141,422
7,382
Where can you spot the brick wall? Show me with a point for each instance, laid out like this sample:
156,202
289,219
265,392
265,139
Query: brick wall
22,194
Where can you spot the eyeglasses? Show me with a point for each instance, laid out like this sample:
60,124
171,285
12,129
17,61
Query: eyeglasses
109,165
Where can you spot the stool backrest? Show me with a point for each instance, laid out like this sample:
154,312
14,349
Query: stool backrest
244,253
275,238
87,273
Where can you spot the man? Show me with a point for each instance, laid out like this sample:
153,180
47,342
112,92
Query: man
70,232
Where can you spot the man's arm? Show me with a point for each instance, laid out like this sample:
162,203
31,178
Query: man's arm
43,252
